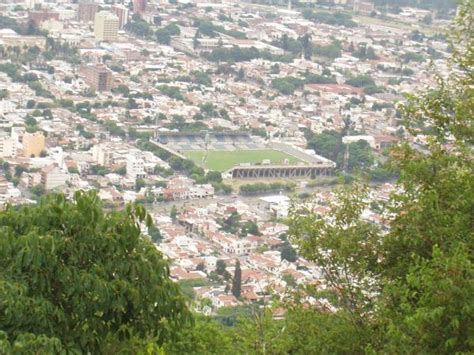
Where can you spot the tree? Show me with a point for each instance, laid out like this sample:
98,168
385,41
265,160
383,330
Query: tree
139,184
207,109
73,170
90,284
240,74
122,89
231,223
428,19
306,45
138,26
287,85
288,253
214,176
174,213
4,94
220,267
337,18
201,266
360,156
163,37
19,169
37,190
275,69
205,336
289,279
196,40
328,144
330,51
237,280
155,234
409,289
249,227
30,104
361,81
121,170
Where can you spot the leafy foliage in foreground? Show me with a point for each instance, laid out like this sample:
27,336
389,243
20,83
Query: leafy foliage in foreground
74,277
410,290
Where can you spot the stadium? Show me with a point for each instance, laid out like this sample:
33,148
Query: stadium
242,156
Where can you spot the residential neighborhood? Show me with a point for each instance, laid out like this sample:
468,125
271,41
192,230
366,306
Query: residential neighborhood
218,116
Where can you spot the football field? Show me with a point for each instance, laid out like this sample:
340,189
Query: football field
222,160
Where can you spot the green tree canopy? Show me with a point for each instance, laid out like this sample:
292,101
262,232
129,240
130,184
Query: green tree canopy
237,280
409,290
83,279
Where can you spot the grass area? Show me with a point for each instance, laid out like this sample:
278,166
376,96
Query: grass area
390,22
222,160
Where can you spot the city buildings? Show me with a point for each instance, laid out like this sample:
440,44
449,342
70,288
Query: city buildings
8,146
33,144
86,11
52,177
39,16
139,6
122,13
135,167
102,155
101,96
9,38
98,77
106,26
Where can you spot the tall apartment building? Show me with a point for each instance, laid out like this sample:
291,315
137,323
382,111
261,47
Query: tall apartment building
135,167
139,6
7,146
103,155
106,26
52,177
39,16
86,11
121,12
33,144
98,77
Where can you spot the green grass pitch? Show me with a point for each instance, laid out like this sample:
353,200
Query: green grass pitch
222,160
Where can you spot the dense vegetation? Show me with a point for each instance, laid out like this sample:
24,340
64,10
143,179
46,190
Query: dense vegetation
237,54
75,278
207,28
329,144
336,19
261,187
28,28
366,82
437,5
289,84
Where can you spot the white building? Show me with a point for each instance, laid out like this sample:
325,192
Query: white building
7,147
7,106
106,26
201,191
52,177
102,155
354,139
135,167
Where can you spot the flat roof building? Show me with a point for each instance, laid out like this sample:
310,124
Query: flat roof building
106,26
98,77
86,11
33,144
